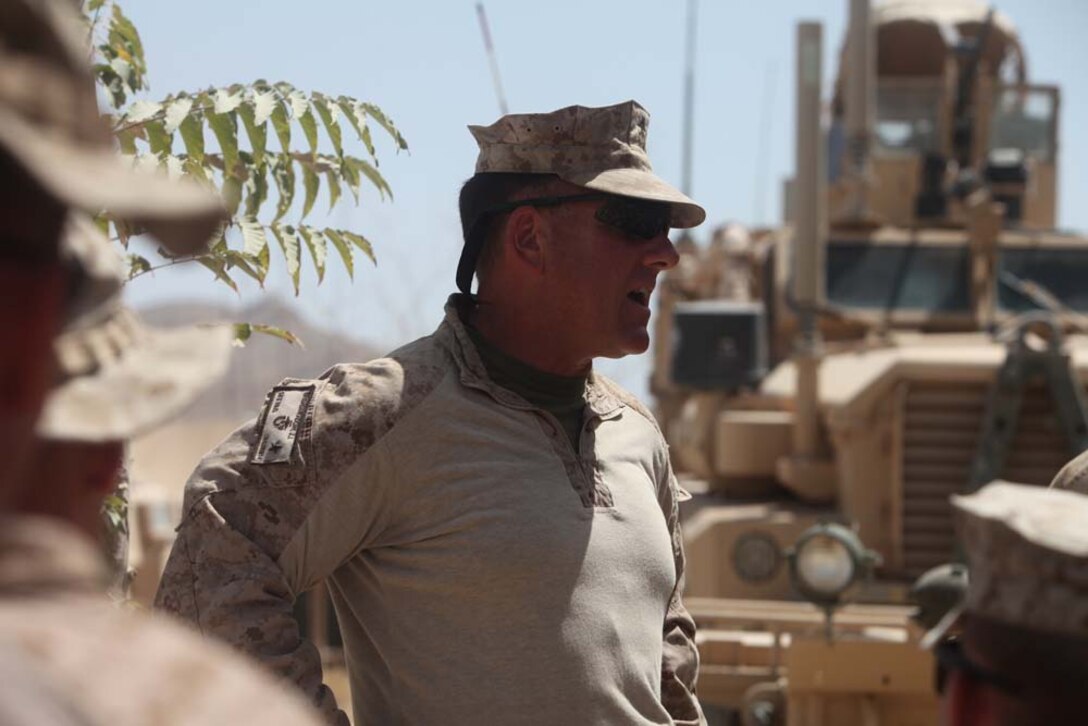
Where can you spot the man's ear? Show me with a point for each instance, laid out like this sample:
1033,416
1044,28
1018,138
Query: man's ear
524,237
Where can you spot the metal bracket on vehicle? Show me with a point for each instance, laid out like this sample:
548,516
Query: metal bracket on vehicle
1022,364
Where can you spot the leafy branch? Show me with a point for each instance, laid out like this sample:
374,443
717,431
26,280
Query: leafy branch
325,143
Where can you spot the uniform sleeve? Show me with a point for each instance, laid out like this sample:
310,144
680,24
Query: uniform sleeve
251,500
680,657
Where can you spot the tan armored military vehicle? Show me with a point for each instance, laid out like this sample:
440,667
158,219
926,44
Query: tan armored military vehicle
912,333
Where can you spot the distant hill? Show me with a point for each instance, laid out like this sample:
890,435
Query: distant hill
264,360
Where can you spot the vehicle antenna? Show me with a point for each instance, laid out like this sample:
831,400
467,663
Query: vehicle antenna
482,15
689,97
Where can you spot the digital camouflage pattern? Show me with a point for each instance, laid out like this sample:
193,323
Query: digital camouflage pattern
1027,552
82,660
598,148
448,613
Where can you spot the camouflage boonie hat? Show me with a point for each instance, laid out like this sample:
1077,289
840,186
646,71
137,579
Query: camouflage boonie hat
116,377
50,125
1027,552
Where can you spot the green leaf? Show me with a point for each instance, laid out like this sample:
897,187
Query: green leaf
282,125
137,265
219,267
256,189
226,101
232,194
94,5
350,175
264,103
256,246
353,111
288,239
332,181
158,140
126,140
383,121
309,128
372,174
299,104
328,113
280,333
126,73
226,132
362,243
176,113
311,183
284,175
249,266
128,36
242,333
192,133
344,248
315,241
257,132
141,111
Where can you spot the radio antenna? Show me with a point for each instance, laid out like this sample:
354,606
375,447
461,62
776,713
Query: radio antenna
481,14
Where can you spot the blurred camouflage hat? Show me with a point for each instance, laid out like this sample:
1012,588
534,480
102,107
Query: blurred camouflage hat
1074,475
603,149
1027,553
116,377
50,125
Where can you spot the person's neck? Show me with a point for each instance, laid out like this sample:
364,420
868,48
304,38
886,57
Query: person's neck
529,337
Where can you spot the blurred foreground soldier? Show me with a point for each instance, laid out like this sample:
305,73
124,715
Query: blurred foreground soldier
114,379
67,656
55,152
1015,652
496,522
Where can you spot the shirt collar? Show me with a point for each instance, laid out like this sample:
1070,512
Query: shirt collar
600,400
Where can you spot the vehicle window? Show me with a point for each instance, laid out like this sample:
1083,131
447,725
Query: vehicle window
1061,272
1023,119
906,117
898,277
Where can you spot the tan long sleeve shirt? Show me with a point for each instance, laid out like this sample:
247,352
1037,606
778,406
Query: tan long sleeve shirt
482,571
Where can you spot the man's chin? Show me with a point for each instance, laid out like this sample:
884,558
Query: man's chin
629,345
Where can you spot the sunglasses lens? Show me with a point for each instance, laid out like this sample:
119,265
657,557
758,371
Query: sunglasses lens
635,217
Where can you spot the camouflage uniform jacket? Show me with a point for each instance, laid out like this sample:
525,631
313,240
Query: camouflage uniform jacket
70,656
481,570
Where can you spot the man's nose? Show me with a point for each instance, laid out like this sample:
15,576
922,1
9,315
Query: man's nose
661,254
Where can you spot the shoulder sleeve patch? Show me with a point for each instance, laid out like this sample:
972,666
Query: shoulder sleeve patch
279,423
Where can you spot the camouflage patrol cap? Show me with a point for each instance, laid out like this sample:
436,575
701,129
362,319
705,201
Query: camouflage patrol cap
1027,552
50,125
116,377
602,148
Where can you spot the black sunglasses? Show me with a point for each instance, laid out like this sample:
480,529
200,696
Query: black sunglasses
640,218
950,657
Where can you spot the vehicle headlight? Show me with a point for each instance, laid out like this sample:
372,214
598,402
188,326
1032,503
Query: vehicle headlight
756,557
827,560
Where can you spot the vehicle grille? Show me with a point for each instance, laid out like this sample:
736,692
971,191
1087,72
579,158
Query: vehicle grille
941,426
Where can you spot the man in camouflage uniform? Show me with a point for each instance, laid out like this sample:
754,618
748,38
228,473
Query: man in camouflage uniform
496,522
67,655
1015,652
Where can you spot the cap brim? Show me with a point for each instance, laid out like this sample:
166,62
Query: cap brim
181,214
643,185
153,381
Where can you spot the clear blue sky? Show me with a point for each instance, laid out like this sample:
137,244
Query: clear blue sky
424,63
